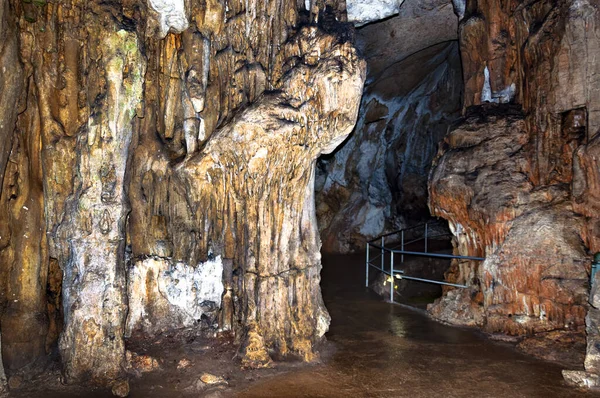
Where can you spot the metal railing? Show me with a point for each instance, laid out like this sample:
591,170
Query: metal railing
403,233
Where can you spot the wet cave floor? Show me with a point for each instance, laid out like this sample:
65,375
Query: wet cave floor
374,349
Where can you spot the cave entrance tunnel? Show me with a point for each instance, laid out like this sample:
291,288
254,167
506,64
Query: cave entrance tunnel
376,181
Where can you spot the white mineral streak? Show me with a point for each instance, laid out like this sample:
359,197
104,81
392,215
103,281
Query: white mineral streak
361,12
166,296
459,8
172,15
188,287
486,91
500,97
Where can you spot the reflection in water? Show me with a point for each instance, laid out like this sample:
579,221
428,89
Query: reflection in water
396,325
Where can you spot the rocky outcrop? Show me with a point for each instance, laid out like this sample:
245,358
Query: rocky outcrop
520,173
259,171
377,181
130,172
23,249
479,183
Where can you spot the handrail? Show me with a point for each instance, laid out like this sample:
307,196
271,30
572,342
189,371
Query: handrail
428,254
405,229
393,250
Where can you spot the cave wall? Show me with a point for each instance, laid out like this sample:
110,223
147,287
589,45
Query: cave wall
377,181
149,185
514,178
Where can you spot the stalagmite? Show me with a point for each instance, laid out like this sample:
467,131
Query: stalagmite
515,180
118,107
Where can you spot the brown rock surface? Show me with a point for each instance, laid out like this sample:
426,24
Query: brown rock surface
479,183
531,177
118,103
259,170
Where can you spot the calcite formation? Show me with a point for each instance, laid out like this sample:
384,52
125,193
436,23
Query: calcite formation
157,174
518,180
259,170
361,12
479,183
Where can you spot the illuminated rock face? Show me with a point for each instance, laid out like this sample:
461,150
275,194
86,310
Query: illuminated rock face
149,185
534,277
259,170
517,180
361,12
165,296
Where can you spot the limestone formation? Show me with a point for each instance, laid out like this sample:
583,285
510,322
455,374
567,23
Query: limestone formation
259,170
158,164
361,12
518,181
479,183
157,174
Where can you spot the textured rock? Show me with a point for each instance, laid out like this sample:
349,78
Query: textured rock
93,229
165,296
115,100
139,364
23,248
479,184
120,388
171,15
586,190
527,175
420,24
11,83
361,12
581,379
592,357
259,171
377,180
210,379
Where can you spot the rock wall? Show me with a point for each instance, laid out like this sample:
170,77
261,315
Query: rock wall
480,184
377,181
515,180
133,198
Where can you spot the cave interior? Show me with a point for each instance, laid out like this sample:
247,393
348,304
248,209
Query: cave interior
187,188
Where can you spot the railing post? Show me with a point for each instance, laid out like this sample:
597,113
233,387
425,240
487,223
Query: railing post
367,267
402,240
426,227
382,253
392,277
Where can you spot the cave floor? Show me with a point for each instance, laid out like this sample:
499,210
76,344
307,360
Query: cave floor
374,349
387,350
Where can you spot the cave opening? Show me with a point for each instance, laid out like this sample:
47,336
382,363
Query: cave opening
376,181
